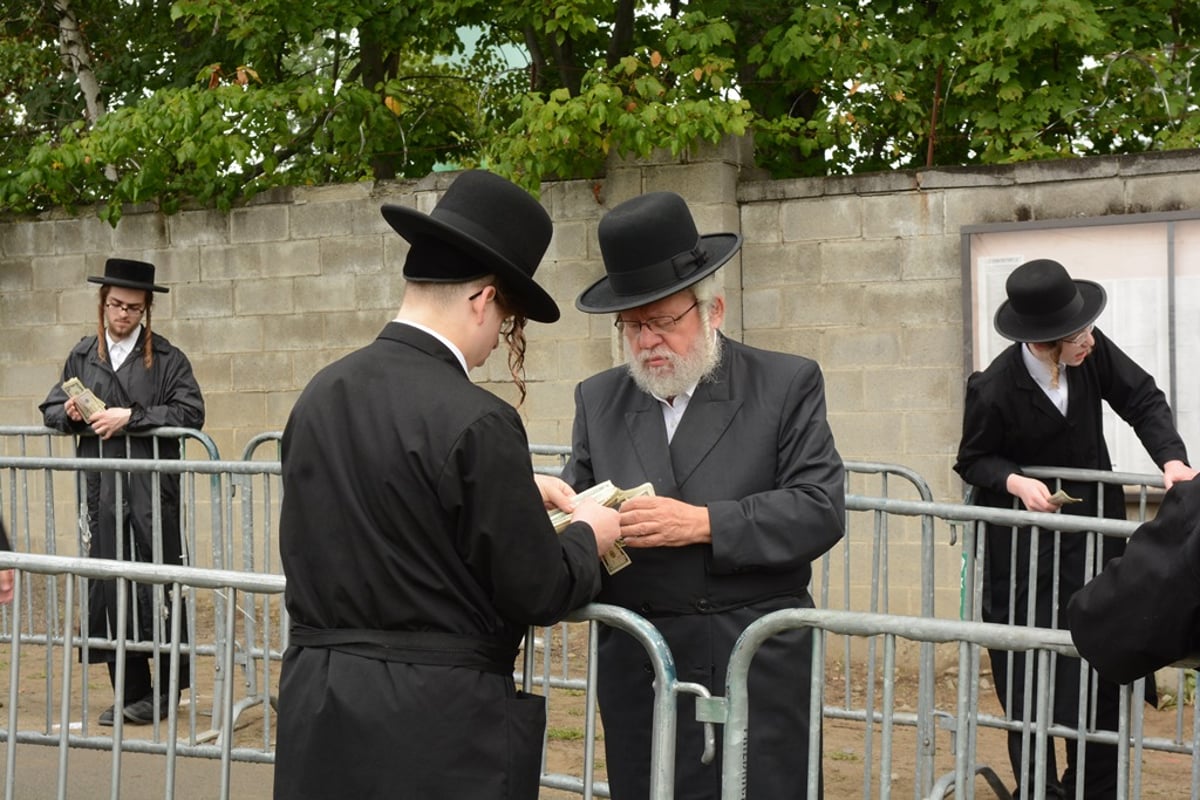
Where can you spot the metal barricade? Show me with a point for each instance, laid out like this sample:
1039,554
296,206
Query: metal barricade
259,620
967,638
68,722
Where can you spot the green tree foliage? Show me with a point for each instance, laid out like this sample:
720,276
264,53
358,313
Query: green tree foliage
212,101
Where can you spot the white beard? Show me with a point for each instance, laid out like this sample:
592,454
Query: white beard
680,372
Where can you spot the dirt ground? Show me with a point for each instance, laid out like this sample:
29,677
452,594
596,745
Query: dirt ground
846,762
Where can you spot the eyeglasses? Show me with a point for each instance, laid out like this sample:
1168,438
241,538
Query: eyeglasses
1080,337
133,309
657,325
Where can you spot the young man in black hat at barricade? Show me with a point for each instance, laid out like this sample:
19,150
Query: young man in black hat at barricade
144,382
414,537
748,491
1039,404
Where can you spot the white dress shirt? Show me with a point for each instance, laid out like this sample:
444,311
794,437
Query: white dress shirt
1040,371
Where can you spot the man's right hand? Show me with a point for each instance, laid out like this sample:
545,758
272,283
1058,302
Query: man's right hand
1030,491
605,522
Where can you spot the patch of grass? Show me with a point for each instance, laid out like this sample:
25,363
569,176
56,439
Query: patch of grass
844,755
564,734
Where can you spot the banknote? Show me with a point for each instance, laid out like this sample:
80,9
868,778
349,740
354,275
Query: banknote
87,403
1061,498
606,494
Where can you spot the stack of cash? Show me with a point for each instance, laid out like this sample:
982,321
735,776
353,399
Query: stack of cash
87,403
606,494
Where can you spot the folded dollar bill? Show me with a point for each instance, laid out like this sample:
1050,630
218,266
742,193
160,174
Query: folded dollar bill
1061,498
610,495
87,402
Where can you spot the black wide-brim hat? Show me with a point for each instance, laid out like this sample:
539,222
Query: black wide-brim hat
1045,304
498,225
652,250
129,274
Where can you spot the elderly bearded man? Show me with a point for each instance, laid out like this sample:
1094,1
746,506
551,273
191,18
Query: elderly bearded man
749,491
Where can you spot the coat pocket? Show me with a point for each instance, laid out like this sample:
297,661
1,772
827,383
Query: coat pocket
526,727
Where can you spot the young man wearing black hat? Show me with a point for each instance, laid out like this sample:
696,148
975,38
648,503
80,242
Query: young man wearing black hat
145,382
414,537
1039,404
748,492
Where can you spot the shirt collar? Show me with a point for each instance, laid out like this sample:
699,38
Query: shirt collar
462,360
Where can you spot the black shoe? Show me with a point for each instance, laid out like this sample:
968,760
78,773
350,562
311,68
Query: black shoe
106,716
142,712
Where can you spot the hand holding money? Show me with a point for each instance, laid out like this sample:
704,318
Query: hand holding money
85,401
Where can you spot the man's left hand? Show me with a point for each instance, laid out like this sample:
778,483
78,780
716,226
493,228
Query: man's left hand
663,522
555,492
1175,472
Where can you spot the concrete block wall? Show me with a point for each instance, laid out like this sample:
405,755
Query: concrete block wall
862,273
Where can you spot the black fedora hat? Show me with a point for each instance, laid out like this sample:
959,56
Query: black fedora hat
496,224
651,250
130,274
1045,304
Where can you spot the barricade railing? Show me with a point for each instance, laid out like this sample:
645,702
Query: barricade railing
253,651
263,619
666,692
68,719
968,637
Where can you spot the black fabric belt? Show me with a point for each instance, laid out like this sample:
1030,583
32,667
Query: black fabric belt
412,647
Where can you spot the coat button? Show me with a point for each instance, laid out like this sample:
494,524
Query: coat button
703,604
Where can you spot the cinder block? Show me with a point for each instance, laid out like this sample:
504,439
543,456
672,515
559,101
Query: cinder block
322,220
208,299
258,224
821,219
83,235
137,233
908,389
351,254
231,334
199,227
265,371
28,308
293,331
865,261
16,274
905,215
568,242
324,293
214,373
762,309
867,346
271,260
786,264
58,272
24,238
263,297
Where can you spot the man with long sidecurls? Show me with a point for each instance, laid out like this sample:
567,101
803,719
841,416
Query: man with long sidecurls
414,534
145,382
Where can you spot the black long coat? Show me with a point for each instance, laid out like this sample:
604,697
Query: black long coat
409,507
1009,422
166,394
754,447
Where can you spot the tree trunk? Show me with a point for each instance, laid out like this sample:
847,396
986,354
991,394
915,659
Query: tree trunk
74,53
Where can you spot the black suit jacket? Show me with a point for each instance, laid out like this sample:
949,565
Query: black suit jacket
1143,611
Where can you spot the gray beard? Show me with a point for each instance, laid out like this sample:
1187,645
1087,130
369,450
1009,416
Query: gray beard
681,372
